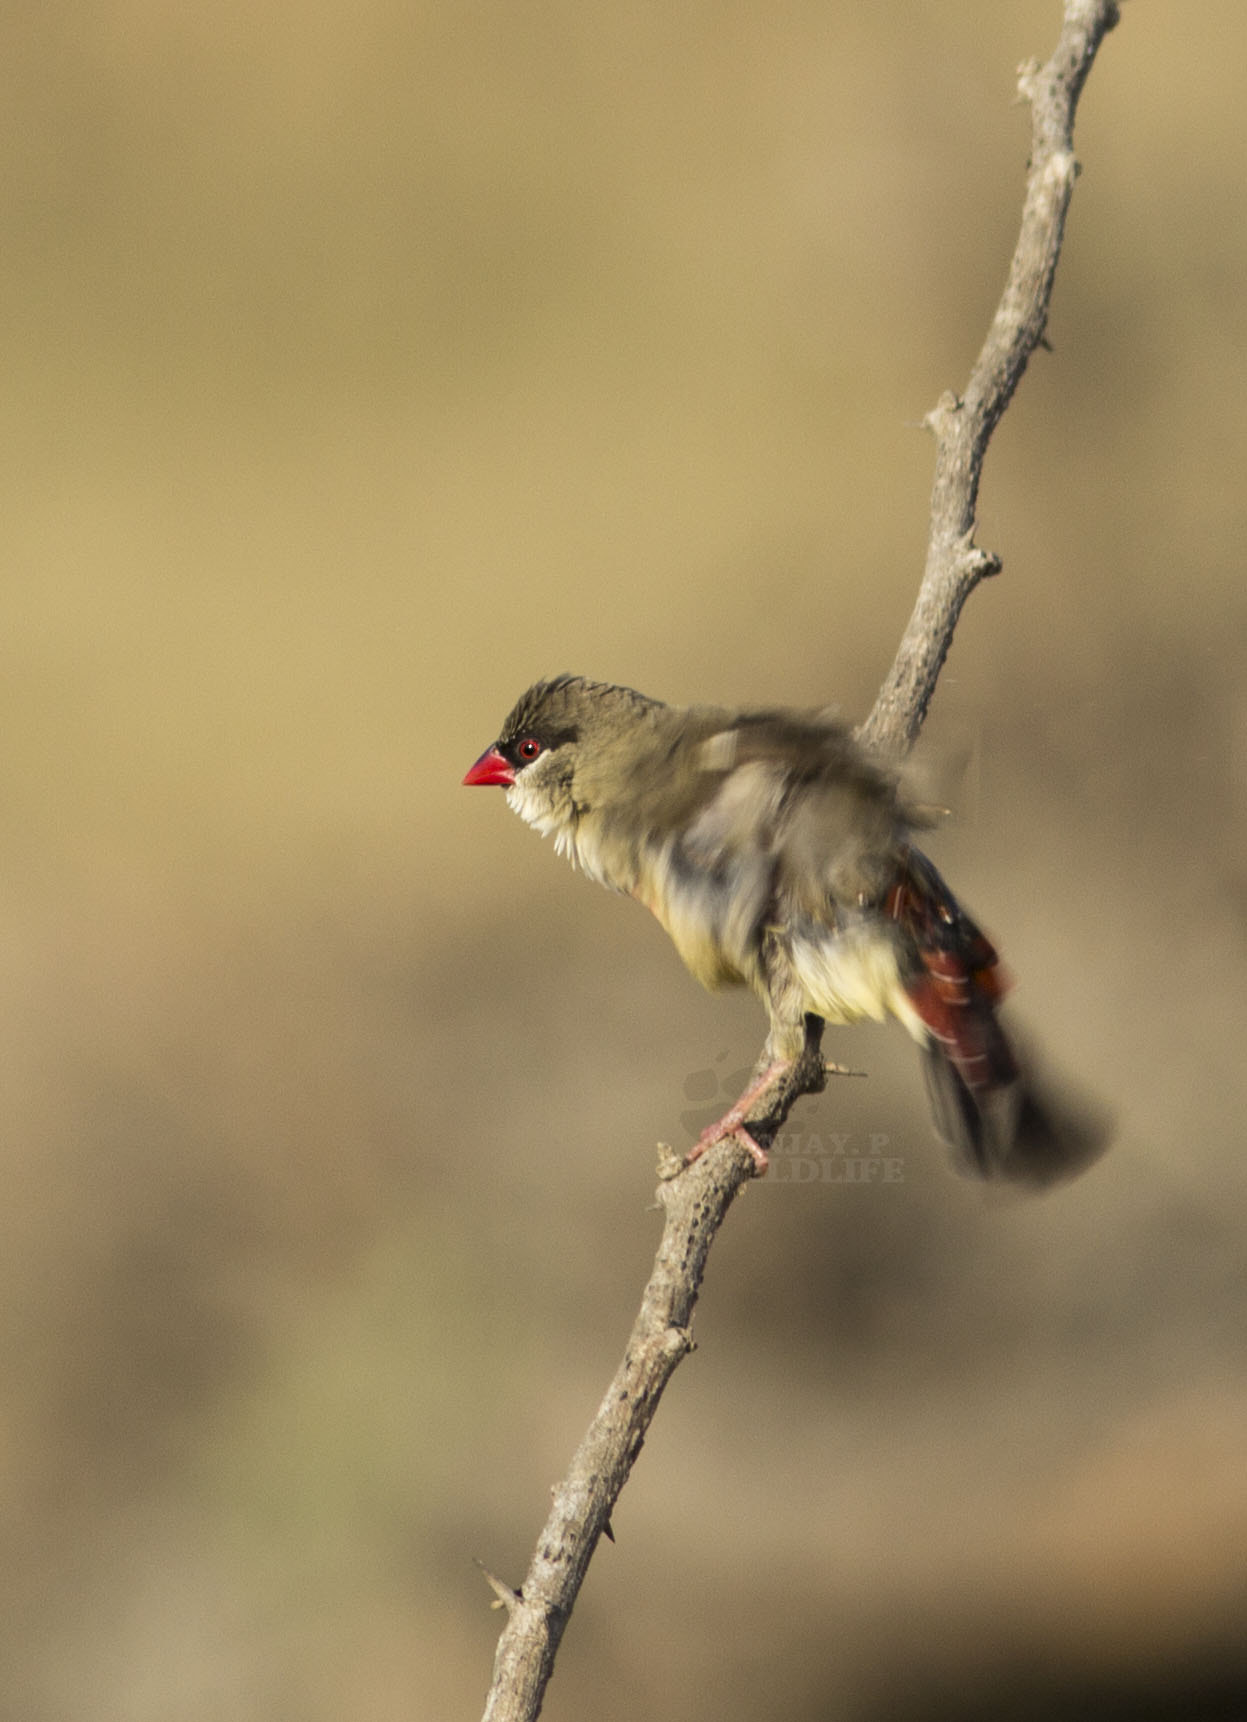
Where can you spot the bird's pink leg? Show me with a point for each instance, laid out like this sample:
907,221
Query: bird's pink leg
732,1122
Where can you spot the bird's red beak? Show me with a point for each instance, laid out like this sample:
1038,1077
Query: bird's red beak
491,767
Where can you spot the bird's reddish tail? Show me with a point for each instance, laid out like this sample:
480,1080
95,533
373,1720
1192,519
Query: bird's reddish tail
984,1108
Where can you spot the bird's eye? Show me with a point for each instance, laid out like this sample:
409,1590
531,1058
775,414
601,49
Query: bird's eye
529,748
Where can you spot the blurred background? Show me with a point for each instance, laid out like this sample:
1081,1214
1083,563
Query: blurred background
362,364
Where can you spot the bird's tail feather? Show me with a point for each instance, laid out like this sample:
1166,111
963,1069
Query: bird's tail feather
986,1108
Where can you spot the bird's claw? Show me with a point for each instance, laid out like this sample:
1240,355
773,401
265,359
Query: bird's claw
727,1126
732,1122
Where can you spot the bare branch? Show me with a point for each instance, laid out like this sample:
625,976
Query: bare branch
696,1203
963,425
697,1200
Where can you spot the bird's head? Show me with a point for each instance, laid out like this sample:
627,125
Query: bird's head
567,745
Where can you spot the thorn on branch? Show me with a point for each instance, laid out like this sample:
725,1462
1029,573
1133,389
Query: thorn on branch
670,1164
948,404
504,1596
980,564
1028,72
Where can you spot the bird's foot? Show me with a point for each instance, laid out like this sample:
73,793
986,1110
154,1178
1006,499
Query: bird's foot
719,1132
732,1122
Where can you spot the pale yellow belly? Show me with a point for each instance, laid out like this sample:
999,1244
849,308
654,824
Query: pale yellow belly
851,976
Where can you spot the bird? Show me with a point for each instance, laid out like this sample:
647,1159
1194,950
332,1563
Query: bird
777,853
